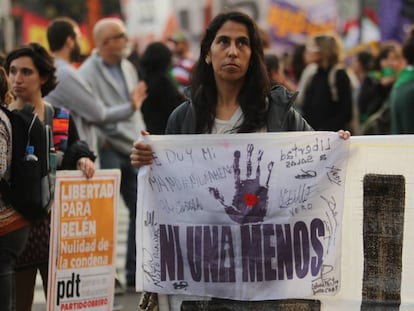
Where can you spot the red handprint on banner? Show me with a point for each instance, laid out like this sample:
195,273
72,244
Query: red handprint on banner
250,199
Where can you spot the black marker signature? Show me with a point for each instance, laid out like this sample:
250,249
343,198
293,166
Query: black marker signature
306,174
334,176
151,269
150,219
180,285
325,283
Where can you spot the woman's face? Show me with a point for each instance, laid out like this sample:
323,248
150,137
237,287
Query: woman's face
312,52
393,60
356,65
230,53
24,78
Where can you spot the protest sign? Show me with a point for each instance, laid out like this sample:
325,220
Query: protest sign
83,237
248,216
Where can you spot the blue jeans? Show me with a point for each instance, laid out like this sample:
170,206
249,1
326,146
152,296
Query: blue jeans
111,159
11,246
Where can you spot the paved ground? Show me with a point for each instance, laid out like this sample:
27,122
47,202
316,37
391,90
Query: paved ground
126,302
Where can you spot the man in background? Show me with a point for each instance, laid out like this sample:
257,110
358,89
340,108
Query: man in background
114,79
72,91
183,60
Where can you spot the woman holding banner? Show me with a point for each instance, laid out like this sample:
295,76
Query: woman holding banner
230,92
230,89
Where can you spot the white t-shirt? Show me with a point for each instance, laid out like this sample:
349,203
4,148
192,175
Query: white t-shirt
228,126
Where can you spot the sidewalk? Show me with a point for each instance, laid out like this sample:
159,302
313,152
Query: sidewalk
125,302
128,301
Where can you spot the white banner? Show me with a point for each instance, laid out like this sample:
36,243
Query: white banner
248,216
147,17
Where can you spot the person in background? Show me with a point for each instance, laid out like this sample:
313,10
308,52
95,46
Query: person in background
72,91
363,65
297,62
134,57
114,79
183,60
327,94
266,40
2,58
307,65
14,228
163,95
276,72
32,75
230,93
388,64
402,93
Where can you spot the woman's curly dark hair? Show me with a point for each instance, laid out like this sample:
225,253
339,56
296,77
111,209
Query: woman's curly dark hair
42,60
253,95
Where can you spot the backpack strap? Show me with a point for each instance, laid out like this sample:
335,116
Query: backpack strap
332,80
60,127
353,125
305,80
58,120
49,114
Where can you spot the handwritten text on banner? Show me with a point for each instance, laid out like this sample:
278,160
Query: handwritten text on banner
247,216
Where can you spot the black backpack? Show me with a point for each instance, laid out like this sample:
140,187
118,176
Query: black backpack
30,188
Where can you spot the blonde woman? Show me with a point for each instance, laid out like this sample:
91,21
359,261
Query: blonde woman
327,93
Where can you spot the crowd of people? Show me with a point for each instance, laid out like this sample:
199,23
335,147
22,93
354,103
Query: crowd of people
235,85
